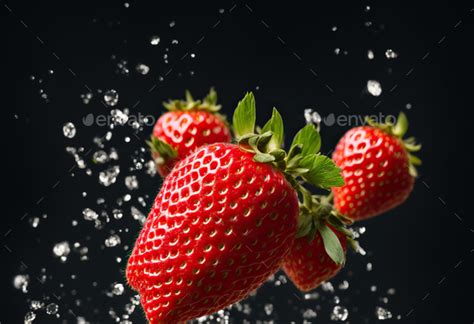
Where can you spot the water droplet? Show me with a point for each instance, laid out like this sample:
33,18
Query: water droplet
311,296
193,55
221,11
100,157
122,68
327,286
369,266
339,313
142,69
109,176
117,213
370,55
391,291
34,221
36,304
126,5
117,289
174,42
382,313
374,88
21,282
337,51
408,106
154,40
112,241
344,285
89,214
268,308
309,313
312,117
52,309
86,97
29,317
172,24
111,97
61,249
373,288
131,182
69,130
137,214
118,117
390,54
334,28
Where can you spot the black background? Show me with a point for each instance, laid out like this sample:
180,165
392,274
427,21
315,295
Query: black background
412,248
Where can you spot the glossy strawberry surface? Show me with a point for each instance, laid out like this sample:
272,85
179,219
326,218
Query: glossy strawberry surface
308,265
221,224
376,172
185,131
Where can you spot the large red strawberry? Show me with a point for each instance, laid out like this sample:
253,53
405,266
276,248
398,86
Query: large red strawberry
224,219
187,125
378,169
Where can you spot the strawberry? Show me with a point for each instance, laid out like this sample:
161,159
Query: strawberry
308,264
378,169
225,218
319,250
187,125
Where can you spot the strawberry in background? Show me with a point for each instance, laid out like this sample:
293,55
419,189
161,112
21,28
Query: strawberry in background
187,125
378,168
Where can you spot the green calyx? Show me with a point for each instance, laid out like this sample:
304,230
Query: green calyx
302,165
209,103
317,215
398,130
162,151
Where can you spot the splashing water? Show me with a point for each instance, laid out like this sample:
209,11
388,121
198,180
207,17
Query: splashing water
124,181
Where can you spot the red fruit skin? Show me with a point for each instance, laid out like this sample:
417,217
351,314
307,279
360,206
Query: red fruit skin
185,131
375,169
308,265
219,227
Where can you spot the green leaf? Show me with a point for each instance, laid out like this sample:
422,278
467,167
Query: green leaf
401,126
309,137
163,149
264,158
414,160
332,245
189,97
412,147
263,140
211,97
279,154
275,125
322,171
244,116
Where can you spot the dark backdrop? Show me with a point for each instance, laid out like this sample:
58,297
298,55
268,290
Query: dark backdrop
286,54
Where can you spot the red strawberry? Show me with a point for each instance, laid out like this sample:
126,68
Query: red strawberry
308,263
186,126
378,169
223,221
